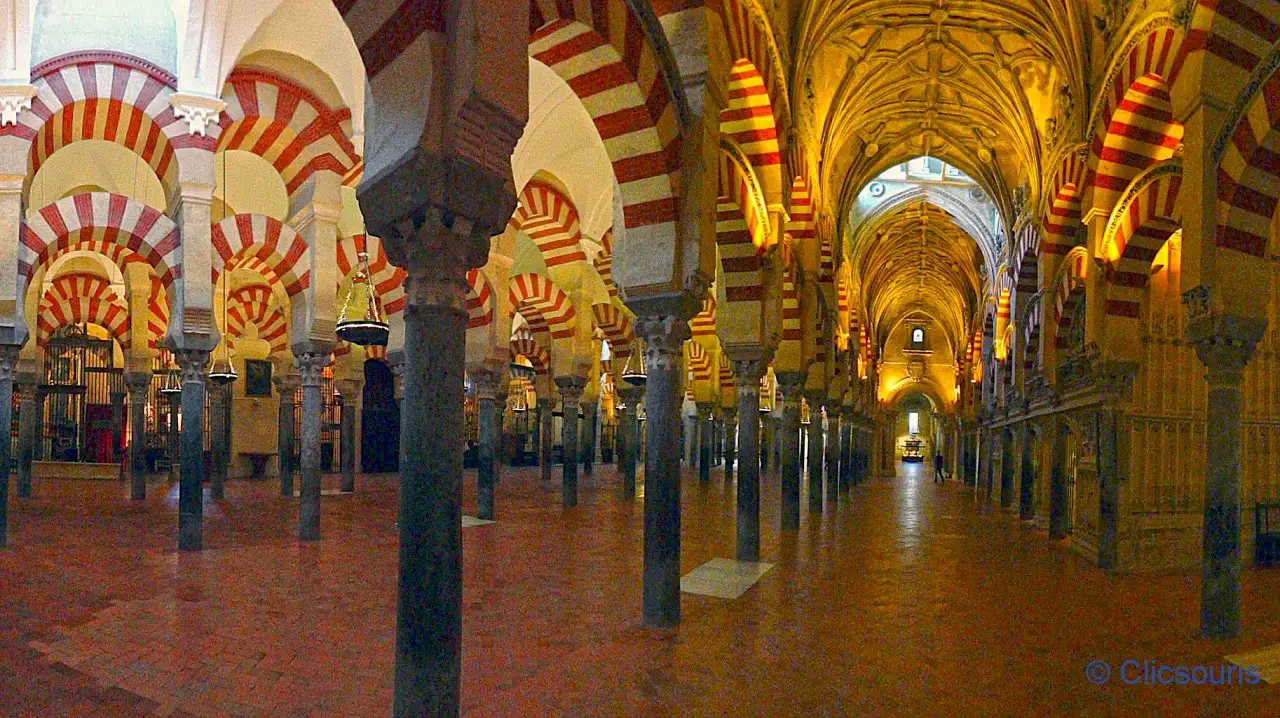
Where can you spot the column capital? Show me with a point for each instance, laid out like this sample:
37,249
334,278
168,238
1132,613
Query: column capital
571,387
286,384
138,382
664,340
544,402
8,361
350,390
1224,343
13,100
486,383
630,393
704,408
730,413
200,111
193,363
310,367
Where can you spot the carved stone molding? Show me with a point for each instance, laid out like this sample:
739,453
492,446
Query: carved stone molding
1225,343
199,111
13,100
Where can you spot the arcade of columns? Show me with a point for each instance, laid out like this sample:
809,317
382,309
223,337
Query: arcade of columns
723,195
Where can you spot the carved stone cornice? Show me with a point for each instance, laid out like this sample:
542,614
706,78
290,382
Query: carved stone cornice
13,100
199,111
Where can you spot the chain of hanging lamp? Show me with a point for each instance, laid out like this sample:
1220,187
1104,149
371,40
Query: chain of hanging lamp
221,372
372,328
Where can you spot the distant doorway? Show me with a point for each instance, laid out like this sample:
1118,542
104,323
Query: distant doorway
379,421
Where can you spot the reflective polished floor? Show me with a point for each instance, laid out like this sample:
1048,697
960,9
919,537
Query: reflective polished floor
908,598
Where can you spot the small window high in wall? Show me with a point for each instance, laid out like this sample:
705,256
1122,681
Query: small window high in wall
913,421
917,336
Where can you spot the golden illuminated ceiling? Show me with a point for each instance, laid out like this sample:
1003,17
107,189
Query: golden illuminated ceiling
917,259
977,84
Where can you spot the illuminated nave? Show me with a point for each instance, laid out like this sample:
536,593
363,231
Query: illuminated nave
741,306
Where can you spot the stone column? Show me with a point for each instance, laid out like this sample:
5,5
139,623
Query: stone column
544,436
570,393
286,391
1006,469
815,452
847,449
349,390
486,384
429,607
8,366
139,384
1026,491
194,364
766,441
1116,381
628,438
664,348
175,444
704,441
117,427
218,439
1058,482
1224,344
749,370
792,391
310,366
730,440
30,413
832,412
590,413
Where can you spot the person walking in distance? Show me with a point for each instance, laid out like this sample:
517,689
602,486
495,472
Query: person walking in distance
937,468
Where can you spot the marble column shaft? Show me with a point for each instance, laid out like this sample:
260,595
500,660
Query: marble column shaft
628,435
590,414
730,440
218,439
792,391
8,364
545,440
705,432
846,451
429,607
570,394
310,367
486,384
194,364
286,391
1058,483
1006,469
348,441
832,413
30,414
748,373
1026,495
175,437
664,350
815,452
139,386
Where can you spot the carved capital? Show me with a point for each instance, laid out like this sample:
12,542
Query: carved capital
486,384
13,100
664,341
1225,343
193,364
631,394
748,373
704,409
8,361
437,276
310,367
200,111
139,384
349,389
286,384
571,388
730,414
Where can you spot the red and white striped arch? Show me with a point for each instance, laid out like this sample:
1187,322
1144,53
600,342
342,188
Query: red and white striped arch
1068,292
791,329
1230,39
1133,118
105,96
551,221
524,343
269,244
616,326
286,125
480,304
751,38
388,279
101,220
1025,243
158,316
699,362
703,323
1031,340
747,120
1147,215
256,305
82,299
533,295
1062,220
1249,174
727,381
740,234
603,263
800,224
601,50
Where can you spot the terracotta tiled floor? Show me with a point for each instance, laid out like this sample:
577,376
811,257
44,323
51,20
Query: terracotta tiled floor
908,599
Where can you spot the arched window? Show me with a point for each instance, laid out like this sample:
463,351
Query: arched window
917,336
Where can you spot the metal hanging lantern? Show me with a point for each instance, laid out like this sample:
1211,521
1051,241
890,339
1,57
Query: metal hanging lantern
633,370
221,372
170,385
371,329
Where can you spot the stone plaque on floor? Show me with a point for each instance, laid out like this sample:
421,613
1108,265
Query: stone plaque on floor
723,577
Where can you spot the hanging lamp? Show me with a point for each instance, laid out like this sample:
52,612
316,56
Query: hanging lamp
170,385
633,370
221,372
370,329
